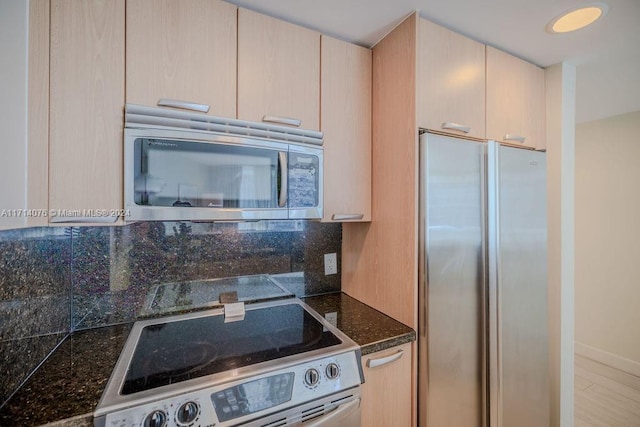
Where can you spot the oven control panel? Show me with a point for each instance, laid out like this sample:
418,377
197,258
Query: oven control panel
242,400
253,396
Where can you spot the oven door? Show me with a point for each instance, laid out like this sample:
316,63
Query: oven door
337,410
345,415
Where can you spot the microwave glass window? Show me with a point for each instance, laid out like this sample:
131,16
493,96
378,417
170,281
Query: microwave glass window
193,174
304,172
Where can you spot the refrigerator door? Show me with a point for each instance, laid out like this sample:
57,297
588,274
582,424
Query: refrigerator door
452,284
518,287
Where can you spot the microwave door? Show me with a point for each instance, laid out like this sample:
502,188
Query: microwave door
206,180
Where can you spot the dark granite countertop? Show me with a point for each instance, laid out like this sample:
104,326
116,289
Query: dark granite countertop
371,329
66,389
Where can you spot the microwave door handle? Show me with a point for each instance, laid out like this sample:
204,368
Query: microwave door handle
282,161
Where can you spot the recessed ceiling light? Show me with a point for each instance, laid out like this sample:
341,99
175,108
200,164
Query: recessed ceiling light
577,18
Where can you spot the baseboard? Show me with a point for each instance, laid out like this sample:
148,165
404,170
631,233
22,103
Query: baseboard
627,365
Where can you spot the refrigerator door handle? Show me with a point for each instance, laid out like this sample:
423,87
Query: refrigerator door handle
493,246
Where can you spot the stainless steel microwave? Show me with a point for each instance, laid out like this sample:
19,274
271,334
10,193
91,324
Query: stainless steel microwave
200,167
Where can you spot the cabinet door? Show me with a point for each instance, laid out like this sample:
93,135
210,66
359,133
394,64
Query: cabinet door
182,50
278,70
86,104
25,92
346,124
515,100
451,81
386,392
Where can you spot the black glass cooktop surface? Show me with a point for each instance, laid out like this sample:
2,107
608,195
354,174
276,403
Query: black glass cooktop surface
172,352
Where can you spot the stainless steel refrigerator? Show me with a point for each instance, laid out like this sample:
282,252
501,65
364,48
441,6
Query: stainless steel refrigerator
483,349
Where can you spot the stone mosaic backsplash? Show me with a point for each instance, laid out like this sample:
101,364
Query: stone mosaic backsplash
56,280
117,270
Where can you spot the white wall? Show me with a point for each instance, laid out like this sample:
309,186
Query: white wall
607,287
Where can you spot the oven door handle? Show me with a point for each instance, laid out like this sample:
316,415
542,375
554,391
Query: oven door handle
339,414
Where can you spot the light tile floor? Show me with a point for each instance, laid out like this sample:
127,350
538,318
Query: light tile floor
605,396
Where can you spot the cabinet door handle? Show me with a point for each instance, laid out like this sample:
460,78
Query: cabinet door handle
184,105
282,120
83,219
345,217
372,363
512,137
284,176
456,126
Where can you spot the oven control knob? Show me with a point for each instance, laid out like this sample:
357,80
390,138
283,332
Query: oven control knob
332,371
187,413
311,377
157,418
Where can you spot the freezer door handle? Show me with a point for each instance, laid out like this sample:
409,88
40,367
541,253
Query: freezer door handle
373,363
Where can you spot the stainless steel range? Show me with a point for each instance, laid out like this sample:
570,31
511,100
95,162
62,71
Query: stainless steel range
281,365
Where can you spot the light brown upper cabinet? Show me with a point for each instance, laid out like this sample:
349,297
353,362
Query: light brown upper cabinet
25,94
346,124
86,105
278,71
182,51
451,81
515,100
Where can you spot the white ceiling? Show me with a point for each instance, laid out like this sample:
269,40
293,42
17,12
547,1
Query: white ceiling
606,55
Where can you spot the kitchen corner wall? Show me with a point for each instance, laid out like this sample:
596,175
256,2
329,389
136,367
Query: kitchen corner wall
57,280
35,289
607,236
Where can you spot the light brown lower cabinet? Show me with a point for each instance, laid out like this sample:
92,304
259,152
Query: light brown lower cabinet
386,392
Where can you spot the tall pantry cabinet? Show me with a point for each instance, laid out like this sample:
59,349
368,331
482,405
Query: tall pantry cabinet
379,259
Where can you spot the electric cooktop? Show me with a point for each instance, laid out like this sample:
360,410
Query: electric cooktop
218,371
180,350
